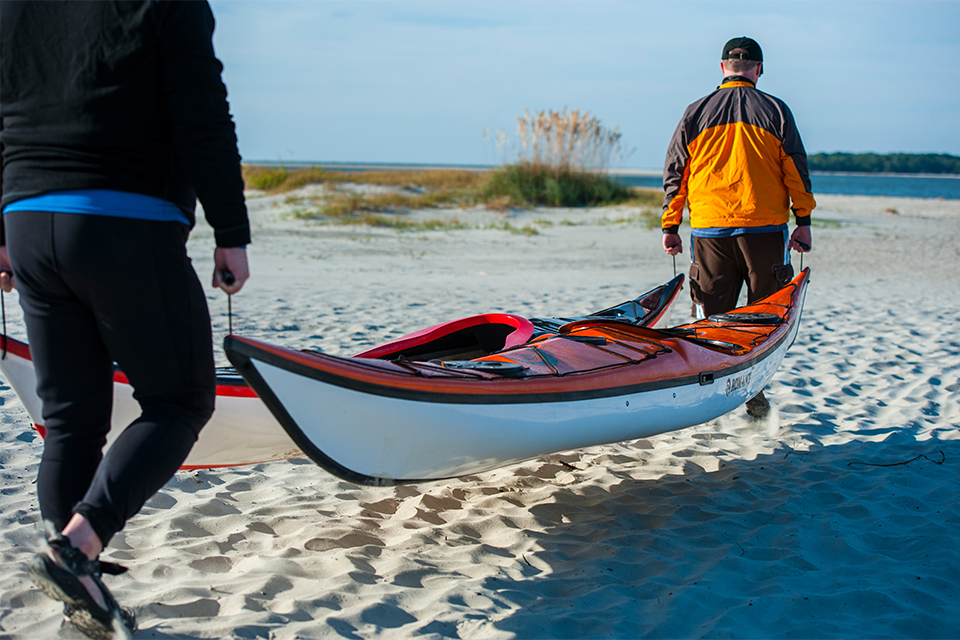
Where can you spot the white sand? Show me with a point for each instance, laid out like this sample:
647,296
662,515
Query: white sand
837,517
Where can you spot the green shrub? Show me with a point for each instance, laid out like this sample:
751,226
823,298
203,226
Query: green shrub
538,184
264,178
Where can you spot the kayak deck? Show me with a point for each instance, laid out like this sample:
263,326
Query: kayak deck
592,381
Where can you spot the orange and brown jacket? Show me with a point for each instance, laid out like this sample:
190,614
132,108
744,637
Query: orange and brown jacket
736,160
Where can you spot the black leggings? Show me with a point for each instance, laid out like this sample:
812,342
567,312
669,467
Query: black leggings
95,291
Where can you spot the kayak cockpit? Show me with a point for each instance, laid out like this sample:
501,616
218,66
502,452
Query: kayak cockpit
461,339
639,312
490,333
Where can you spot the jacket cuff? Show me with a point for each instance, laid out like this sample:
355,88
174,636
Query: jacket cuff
803,221
235,237
673,229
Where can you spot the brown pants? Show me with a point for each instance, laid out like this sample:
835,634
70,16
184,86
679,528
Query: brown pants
721,266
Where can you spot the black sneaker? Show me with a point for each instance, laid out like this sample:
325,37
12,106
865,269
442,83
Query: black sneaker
758,406
61,581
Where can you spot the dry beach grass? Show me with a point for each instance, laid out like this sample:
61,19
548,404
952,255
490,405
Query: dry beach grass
836,517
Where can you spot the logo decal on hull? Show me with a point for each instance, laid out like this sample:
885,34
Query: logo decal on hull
738,382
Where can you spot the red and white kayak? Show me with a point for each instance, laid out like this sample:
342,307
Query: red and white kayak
242,429
432,408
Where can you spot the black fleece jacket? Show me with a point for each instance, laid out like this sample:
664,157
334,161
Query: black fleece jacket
121,95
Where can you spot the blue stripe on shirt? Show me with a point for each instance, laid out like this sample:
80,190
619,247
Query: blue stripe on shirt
103,202
726,232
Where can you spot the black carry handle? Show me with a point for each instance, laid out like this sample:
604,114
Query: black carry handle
227,277
3,312
805,247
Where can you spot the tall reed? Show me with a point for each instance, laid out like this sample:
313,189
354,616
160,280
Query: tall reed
561,161
564,141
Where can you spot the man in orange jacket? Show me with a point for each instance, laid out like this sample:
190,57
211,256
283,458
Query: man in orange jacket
737,163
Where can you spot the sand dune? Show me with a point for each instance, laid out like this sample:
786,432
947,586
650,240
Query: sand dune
836,517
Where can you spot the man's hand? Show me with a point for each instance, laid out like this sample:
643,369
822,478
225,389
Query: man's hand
801,240
6,271
672,243
232,261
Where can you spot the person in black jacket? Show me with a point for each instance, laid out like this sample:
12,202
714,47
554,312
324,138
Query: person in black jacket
113,121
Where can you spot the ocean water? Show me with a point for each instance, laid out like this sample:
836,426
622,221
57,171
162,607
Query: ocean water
854,184
850,184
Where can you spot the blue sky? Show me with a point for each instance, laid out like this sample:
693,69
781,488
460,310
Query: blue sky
418,82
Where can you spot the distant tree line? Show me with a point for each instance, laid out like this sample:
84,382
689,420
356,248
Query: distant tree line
885,163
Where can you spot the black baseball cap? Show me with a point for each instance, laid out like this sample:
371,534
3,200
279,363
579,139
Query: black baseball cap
742,48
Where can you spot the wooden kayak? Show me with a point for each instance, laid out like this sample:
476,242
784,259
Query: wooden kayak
243,431
426,411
